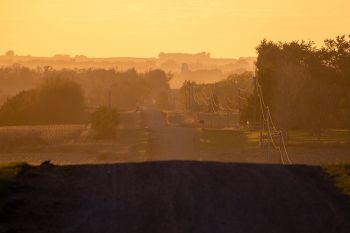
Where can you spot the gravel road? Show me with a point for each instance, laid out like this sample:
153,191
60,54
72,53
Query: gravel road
175,196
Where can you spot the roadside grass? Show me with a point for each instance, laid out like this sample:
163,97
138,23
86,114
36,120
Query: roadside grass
340,175
240,139
328,137
8,175
228,139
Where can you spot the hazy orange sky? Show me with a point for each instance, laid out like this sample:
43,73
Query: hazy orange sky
143,28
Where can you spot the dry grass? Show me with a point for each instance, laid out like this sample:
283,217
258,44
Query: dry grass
340,174
8,175
73,144
18,138
329,137
243,146
72,148
217,138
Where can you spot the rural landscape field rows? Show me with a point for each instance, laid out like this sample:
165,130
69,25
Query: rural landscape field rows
149,137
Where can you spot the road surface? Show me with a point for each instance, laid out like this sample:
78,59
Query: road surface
176,197
169,143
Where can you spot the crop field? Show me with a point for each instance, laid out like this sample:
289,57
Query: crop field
128,145
70,144
14,138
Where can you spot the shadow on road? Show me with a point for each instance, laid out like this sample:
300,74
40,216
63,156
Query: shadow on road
176,197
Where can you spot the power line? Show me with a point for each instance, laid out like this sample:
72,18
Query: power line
268,119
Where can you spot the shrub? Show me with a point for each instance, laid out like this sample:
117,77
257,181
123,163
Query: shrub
104,122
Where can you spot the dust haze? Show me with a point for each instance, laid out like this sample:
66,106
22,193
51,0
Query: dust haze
241,123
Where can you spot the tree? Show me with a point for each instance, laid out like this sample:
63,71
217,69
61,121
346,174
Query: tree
127,89
304,86
56,101
10,53
60,100
337,55
20,109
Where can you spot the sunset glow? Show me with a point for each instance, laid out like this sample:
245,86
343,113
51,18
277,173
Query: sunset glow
143,28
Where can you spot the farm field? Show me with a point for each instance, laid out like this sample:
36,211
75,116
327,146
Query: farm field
71,144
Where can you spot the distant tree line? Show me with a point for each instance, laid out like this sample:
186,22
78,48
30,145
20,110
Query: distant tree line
306,87
48,96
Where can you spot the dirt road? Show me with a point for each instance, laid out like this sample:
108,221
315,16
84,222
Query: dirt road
175,196
169,143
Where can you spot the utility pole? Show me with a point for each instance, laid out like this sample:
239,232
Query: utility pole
228,118
192,97
239,100
109,99
239,105
262,123
255,98
186,98
189,95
